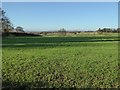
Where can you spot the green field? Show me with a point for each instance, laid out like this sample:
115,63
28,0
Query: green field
60,62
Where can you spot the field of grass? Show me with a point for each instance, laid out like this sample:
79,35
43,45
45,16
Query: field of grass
60,62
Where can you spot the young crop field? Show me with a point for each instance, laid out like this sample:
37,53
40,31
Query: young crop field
60,62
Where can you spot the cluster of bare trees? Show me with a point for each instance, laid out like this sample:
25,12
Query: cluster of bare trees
108,30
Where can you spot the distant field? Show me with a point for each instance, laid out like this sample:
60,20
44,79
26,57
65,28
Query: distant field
83,34
81,62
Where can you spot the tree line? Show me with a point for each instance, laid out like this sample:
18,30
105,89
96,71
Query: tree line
109,30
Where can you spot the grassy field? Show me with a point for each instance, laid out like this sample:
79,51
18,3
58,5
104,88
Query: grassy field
60,62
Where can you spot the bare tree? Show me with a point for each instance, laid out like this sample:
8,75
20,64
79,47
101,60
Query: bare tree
7,26
62,32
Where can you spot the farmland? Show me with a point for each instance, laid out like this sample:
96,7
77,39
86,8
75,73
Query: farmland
60,62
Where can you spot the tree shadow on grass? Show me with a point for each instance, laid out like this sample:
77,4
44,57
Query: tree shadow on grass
53,39
51,45
10,85
47,42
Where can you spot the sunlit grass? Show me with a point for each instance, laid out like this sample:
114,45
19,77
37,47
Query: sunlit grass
60,62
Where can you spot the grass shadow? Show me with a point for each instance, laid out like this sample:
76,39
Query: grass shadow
52,41
10,85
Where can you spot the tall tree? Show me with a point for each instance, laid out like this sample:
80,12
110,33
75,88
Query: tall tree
7,26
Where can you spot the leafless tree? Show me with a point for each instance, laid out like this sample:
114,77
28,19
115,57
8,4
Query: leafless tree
7,26
62,32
